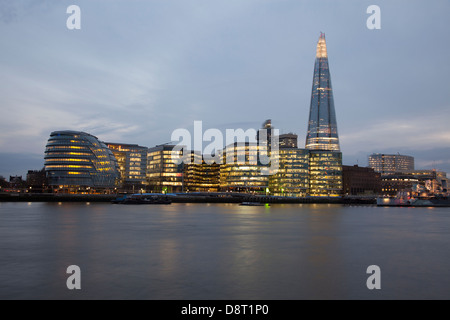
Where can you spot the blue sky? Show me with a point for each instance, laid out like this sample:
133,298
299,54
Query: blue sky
137,70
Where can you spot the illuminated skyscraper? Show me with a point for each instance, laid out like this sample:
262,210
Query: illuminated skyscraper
322,127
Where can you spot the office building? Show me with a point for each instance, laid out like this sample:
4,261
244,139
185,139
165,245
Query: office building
322,127
322,140
325,173
292,178
389,164
394,183
241,170
198,176
163,173
360,180
132,162
77,162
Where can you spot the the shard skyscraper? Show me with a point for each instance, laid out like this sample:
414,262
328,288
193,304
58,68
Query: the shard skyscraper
322,128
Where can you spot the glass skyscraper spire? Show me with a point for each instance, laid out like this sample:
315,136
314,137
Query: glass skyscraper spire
322,128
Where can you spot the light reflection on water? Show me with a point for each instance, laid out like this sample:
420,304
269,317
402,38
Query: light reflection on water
222,251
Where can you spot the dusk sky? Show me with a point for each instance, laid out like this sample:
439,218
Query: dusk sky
138,70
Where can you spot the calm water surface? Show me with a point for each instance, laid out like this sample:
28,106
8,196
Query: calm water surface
223,251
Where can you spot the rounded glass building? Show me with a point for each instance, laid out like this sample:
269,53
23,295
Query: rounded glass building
79,160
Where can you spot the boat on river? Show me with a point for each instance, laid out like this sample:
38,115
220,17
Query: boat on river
144,198
249,203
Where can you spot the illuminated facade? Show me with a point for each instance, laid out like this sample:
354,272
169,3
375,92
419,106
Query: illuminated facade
322,140
325,173
322,128
77,162
292,177
392,184
163,175
241,168
388,164
200,176
132,161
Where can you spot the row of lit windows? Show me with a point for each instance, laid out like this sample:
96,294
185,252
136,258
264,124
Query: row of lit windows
245,184
66,160
318,169
69,154
68,166
51,141
67,147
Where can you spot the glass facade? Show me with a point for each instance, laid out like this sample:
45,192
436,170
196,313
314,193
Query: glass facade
292,177
200,176
322,128
241,169
325,173
163,175
77,159
132,161
388,164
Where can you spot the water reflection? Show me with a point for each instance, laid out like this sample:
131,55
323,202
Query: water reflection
215,251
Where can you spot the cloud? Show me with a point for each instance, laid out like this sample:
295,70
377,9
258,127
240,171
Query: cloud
138,70
409,131
8,11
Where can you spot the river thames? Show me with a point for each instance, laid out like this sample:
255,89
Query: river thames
223,251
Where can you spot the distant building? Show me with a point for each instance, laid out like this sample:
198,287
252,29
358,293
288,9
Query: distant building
163,175
3,183
132,162
288,140
77,162
16,182
430,181
267,126
433,180
292,178
388,164
360,180
392,184
36,180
